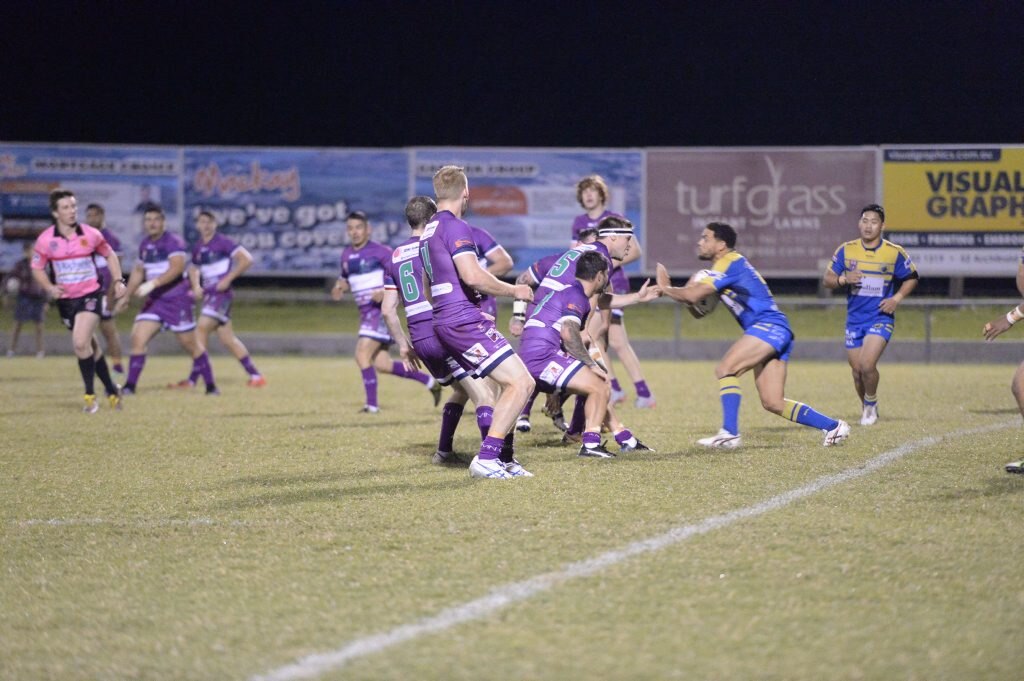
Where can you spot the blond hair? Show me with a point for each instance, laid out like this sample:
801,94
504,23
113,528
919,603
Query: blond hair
450,182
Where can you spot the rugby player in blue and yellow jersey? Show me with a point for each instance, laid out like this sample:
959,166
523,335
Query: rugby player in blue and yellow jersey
765,345
879,275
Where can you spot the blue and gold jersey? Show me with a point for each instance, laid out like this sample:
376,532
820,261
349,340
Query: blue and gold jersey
744,292
885,267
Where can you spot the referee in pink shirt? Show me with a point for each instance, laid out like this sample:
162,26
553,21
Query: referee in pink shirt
68,248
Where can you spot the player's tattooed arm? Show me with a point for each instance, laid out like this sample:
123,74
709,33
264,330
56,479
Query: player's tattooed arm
573,342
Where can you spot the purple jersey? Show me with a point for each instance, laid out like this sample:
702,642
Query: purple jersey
155,256
542,333
563,272
540,268
101,263
445,238
582,222
363,268
404,272
485,244
213,259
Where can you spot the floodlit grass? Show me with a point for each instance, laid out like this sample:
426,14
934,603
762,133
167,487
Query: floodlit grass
219,538
643,321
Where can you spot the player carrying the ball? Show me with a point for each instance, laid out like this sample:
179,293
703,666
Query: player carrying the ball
765,345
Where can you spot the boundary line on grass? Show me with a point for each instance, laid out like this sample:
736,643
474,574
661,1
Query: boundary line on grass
311,666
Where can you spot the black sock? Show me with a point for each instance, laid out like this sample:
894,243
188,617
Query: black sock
88,368
104,374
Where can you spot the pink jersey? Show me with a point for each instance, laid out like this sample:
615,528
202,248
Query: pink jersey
71,258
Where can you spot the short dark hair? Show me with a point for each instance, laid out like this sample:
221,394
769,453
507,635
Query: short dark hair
358,215
154,208
58,194
586,233
590,264
95,206
875,208
723,232
419,210
207,214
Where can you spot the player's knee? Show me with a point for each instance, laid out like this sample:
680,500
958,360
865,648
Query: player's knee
773,405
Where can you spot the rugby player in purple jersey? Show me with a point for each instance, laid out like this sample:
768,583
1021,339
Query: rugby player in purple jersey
495,259
403,280
96,216
593,195
557,356
362,273
159,277
614,242
216,262
532,276
456,283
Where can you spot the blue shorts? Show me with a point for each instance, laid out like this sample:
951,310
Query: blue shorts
879,326
779,336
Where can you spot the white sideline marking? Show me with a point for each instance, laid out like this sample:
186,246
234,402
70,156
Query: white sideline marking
318,663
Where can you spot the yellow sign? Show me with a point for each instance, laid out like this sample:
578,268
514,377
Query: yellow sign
954,190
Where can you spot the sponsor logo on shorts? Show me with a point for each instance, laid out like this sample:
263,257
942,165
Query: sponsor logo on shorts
551,372
475,354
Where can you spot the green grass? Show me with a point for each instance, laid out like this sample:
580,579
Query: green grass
644,321
218,538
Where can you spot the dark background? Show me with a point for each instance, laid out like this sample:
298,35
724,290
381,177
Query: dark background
391,74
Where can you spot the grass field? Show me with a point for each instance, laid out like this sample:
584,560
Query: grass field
226,538
644,321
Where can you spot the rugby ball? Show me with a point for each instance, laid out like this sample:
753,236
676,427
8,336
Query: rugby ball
707,304
13,285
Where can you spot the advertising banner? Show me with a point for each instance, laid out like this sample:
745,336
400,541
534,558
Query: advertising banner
288,206
526,198
958,211
124,180
791,207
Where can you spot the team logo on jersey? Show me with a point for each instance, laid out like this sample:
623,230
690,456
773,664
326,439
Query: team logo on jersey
54,245
84,242
459,243
852,265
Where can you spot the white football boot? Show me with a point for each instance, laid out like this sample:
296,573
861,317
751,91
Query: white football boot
488,468
837,434
870,415
721,440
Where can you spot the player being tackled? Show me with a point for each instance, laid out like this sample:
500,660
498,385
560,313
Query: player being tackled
556,354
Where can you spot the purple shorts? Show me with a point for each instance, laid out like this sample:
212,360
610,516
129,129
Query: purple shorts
437,360
175,313
217,305
552,372
372,325
477,346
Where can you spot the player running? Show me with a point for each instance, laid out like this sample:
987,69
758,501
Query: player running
68,247
997,327
362,273
159,277
765,345
556,355
216,262
871,267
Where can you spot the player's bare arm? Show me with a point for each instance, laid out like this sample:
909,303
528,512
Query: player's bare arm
689,294
242,260
645,294
389,310
572,340
889,305
483,281
500,262
340,288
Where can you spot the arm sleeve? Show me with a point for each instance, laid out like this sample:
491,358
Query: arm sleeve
838,261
